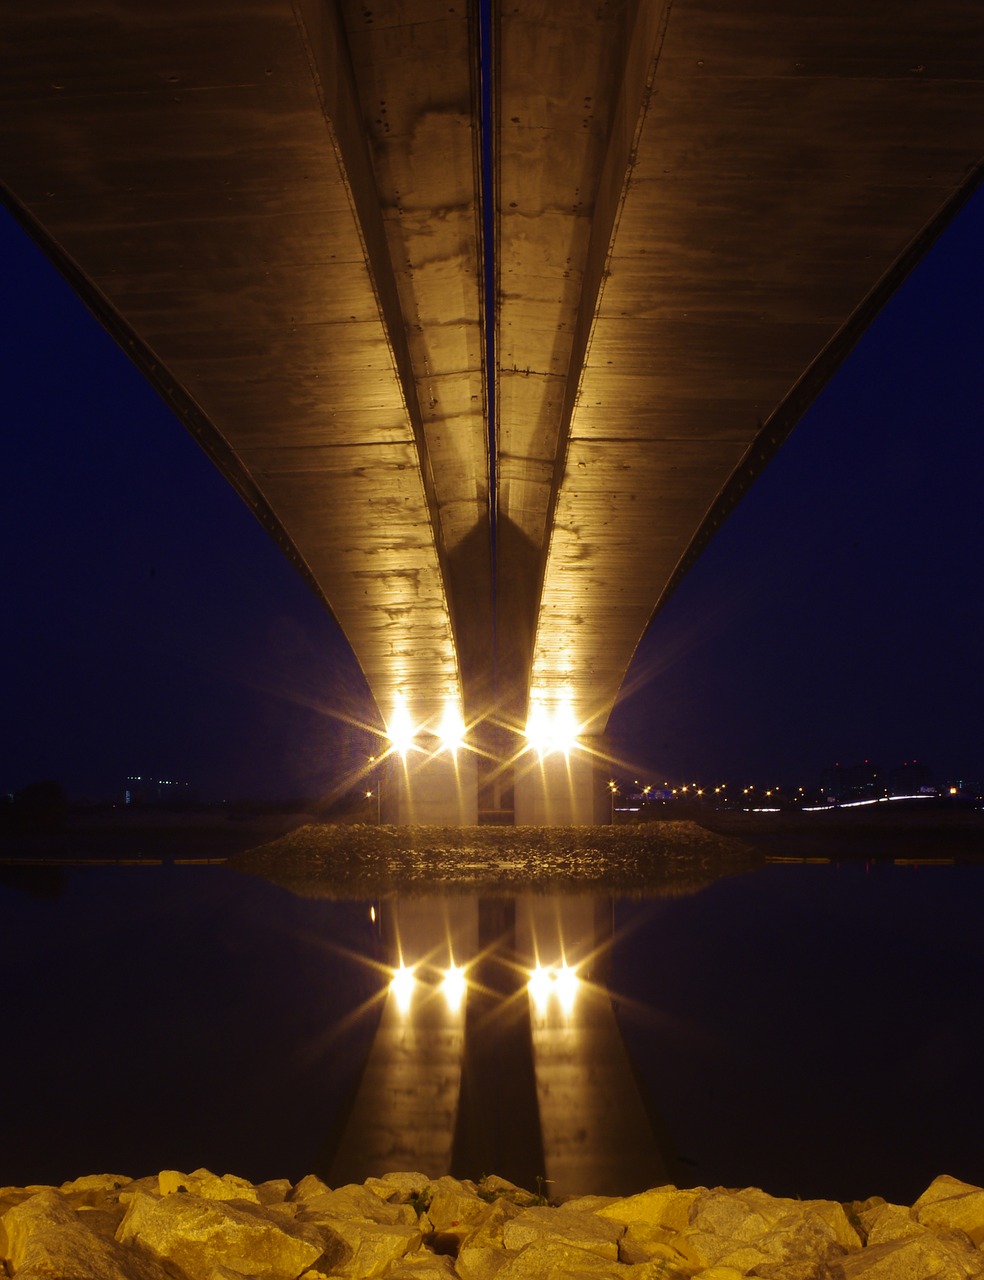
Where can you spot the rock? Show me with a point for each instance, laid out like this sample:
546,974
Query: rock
554,1260
586,1231
67,1253
808,1235
97,1190
948,1203
738,1216
46,1239
196,1235
455,1207
375,1232
591,1204
882,1222
274,1192
423,1266
206,1185
399,1187
482,1252
659,1268
661,1207
373,1246
642,1243
655,1221
104,1222
354,1202
199,1226
309,1187
494,1187
140,1186
41,1211
726,1224
922,1257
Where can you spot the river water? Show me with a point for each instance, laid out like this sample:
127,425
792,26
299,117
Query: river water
812,1029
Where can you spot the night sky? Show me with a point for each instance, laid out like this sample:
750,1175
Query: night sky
151,626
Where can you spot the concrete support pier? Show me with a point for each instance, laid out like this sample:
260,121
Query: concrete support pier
430,790
563,789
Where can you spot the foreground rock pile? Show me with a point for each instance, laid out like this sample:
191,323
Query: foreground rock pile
405,1227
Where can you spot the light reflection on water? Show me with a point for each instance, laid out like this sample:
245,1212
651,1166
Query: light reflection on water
498,1049
813,1030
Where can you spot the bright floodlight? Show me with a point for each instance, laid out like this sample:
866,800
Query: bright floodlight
538,728
454,986
401,729
551,729
565,728
452,728
539,988
402,985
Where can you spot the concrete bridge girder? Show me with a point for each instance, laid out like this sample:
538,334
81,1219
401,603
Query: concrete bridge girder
277,210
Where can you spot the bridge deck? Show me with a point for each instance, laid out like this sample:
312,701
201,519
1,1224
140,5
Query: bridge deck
277,209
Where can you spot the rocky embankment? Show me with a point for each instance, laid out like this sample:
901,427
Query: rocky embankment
331,861
198,1226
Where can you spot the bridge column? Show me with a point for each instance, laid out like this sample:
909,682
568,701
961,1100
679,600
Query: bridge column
431,790
563,790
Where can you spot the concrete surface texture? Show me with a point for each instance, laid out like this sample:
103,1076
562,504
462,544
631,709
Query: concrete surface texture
690,213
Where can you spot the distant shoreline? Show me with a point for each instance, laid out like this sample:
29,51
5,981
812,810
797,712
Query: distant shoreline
930,833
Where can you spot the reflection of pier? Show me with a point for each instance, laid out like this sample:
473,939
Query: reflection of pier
520,1070
404,1113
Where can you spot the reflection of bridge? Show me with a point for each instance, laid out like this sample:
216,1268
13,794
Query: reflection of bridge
519,1067
490,313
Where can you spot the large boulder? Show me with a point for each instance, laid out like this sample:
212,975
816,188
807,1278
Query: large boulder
566,1227
196,1235
882,1222
947,1204
557,1260
207,1185
96,1190
655,1224
42,1211
46,1239
423,1266
275,1191
482,1252
353,1201
664,1207
373,1247
455,1208
921,1257
752,1231
399,1187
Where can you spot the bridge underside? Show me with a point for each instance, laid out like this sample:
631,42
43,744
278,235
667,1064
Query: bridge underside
491,421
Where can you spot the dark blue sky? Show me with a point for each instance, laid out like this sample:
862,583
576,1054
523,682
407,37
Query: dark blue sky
151,625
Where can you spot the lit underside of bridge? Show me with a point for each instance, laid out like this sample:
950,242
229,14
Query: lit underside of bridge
476,306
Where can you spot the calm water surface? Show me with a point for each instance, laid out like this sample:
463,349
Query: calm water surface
815,1030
